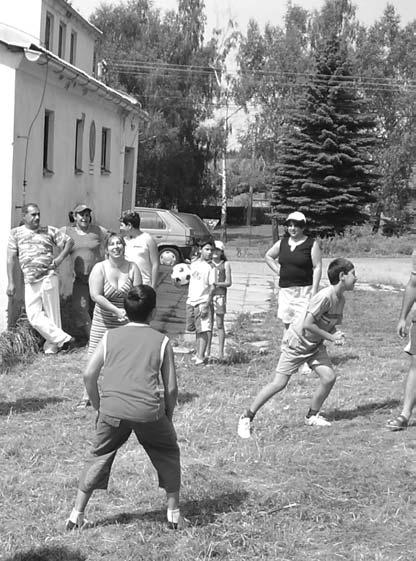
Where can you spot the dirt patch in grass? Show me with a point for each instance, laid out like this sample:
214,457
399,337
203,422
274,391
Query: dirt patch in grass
290,493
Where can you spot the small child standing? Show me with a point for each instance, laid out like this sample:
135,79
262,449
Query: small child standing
303,342
133,359
223,280
198,303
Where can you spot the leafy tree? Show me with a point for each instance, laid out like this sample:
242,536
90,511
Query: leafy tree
325,166
163,62
386,60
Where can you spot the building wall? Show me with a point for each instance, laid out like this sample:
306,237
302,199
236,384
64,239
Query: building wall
58,192
7,103
86,35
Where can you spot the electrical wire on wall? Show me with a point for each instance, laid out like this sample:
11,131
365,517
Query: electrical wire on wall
27,137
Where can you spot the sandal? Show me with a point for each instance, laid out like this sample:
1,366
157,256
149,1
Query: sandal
399,423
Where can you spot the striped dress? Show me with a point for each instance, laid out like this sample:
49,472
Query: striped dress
102,319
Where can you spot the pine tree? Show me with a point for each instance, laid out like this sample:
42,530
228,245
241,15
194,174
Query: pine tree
325,168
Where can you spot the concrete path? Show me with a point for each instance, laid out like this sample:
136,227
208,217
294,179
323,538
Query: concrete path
254,285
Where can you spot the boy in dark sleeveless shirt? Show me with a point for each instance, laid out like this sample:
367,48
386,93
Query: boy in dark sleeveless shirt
135,361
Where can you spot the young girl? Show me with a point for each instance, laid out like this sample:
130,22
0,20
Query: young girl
219,299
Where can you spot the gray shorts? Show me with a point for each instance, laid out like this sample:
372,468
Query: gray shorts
158,438
296,352
410,348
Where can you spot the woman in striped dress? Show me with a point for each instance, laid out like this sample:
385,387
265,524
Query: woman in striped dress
110,280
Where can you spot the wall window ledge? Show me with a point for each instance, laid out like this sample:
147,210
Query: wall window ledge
105,172
78,171
48,172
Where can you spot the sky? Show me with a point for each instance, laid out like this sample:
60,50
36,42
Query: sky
220,11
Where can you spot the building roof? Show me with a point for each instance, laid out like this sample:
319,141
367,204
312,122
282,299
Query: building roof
18,41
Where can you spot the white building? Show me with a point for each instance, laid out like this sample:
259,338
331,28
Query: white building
66,137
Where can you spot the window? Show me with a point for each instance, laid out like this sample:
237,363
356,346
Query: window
150,220
49,31
61,39
48,134
73,48
79,132
105,150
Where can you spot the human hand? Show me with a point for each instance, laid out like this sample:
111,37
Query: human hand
11,289
339,338
121,315
402,329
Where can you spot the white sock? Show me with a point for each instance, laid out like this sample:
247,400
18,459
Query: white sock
173,515
75,516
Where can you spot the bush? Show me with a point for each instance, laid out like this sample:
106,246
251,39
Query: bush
19,344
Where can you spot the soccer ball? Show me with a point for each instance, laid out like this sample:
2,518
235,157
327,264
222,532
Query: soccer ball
181,273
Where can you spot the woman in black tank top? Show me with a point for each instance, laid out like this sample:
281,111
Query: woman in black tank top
297,260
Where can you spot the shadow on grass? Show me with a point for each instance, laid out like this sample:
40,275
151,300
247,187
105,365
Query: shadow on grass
199,512
186,397
362,410
338,360
48,554
27,404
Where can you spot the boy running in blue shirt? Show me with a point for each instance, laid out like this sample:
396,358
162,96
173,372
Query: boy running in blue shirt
304,343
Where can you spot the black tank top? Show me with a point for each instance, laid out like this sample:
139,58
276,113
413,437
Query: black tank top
296,267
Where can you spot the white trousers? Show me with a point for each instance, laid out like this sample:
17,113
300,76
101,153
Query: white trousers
44,313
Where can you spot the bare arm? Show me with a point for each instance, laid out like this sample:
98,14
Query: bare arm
11,260
135,274
154,260
316,255
92,373
309,323
96,284
409,298
170,383
271,255
64,253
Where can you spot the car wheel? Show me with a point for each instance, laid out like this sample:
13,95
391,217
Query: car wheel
169,256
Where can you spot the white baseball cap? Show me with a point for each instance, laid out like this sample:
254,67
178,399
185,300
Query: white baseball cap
219,245
296,217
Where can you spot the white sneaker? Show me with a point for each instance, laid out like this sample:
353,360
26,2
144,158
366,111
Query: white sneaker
317,421
244,427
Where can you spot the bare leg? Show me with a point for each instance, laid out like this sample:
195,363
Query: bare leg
277,385
410,389
81,500
209,342
201,344
327,379
221,335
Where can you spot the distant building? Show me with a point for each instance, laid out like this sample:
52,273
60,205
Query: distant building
66,137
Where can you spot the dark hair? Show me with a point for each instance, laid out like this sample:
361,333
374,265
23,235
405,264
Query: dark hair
131,217
338,266
25,208
202,244
139,302
114,235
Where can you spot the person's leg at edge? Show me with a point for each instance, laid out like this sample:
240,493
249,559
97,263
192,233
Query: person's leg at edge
410,390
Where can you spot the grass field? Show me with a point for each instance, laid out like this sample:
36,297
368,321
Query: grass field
291,493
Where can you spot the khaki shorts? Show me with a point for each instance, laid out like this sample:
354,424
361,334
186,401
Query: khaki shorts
219,304
196,321
296,352
292,302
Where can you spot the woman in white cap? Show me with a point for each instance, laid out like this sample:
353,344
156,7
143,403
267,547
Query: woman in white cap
297,259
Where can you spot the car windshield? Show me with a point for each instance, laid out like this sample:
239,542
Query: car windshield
194,222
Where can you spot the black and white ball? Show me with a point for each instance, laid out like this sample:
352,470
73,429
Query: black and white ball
181,273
